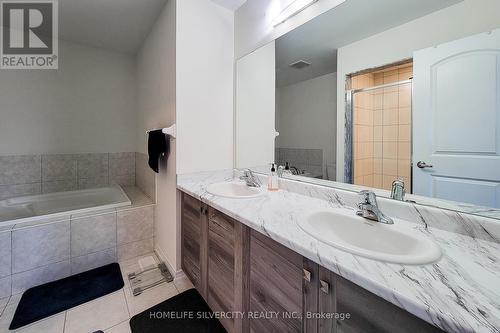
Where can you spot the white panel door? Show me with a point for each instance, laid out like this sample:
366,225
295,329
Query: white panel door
456,111
255,108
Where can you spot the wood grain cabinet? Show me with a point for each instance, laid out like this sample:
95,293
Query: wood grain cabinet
276,289
237,269
192,226
227,266
370,313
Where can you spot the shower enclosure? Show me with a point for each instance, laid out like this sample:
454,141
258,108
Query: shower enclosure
378,128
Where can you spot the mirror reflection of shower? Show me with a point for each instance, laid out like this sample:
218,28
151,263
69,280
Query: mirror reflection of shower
381,127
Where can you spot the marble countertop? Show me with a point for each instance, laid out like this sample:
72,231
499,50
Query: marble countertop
459,293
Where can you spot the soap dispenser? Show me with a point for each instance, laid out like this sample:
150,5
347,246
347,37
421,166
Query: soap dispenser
272,183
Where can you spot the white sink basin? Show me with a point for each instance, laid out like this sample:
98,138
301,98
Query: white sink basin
395,243
235,190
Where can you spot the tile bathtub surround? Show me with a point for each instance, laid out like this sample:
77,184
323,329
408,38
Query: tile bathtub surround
458,293
40,246
5,254
93,233
145,177
53,249
35,174
127,221
310,160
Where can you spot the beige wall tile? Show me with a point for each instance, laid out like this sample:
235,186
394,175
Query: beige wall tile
387,182
405,115
364,150
378,133
390,150
404,133
363,100
378,101
366,166
368,180
378,117
405,74
390,72
404,150
377,166
404,168
377,181
365,133
390,133
391,100
391,78
405,96
391,116
377,150
390,167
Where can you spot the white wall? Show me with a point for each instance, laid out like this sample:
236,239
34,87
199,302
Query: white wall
466,18
255,108
204,83
156,87
87,105
306,114
253,22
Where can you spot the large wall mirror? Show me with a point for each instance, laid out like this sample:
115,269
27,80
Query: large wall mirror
376,92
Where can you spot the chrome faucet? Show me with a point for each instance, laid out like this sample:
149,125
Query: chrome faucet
398,190
250,179
368,208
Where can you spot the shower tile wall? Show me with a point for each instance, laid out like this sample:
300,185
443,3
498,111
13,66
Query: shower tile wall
382,129
363,135
34,174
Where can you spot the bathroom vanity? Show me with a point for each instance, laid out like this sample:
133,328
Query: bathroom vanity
238,269
250,256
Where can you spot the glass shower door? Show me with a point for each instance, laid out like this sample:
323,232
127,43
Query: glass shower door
381,135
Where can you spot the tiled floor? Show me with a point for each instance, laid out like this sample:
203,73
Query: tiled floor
110,313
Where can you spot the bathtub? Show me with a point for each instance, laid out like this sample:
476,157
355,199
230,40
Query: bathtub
53,205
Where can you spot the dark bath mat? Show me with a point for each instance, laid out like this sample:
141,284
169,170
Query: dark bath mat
183,310
48,299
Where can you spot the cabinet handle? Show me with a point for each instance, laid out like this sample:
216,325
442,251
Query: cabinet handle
307,275
324,286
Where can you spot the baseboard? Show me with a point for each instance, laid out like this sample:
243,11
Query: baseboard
175,273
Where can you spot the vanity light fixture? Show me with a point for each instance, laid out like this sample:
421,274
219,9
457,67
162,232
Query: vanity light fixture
295,7
291,10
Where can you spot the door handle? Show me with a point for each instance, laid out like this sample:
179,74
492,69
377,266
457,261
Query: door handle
423,165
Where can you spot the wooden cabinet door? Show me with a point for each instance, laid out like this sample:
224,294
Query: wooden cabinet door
191,237
228,243
370,313
276,288
327,301
221,245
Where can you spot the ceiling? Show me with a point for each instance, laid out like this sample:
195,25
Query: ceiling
119,25
318,40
